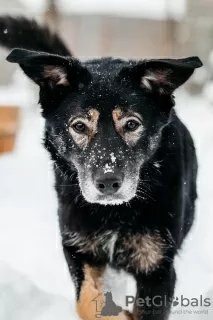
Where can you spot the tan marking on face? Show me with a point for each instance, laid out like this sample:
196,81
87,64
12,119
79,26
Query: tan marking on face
147,252
93,118
120,119
92,294
91,121
56,75
117,114
93,115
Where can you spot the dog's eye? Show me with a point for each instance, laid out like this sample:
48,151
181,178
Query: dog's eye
79,127
131,125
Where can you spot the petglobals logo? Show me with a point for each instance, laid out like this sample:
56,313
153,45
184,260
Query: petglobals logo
192,302
106,307
191,306
159,301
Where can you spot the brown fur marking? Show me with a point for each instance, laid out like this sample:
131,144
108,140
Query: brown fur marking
117,114
93,116
147,251
91,121
92,289
120,119
92,243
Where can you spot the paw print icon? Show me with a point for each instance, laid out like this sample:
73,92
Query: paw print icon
175,302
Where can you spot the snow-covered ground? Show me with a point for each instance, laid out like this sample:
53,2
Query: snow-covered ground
34,280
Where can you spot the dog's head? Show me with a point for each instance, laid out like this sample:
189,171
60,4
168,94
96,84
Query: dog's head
104,117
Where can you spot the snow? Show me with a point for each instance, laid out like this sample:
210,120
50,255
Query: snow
108,168
36,6
153,9
20,293
32,263
113,158
19,92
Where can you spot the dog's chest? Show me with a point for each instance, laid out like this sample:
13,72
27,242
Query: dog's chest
96,243
137,252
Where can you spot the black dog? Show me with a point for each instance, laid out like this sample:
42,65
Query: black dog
125,165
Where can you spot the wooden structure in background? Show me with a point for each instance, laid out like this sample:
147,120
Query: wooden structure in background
9,121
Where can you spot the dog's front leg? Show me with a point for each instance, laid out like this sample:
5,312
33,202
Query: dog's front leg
155,294
90,297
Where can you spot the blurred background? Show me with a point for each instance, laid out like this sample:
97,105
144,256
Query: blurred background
34,280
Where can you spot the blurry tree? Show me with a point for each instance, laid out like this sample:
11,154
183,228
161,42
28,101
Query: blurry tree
51,15
171,29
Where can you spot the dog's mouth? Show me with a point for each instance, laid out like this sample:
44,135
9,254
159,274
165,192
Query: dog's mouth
111,200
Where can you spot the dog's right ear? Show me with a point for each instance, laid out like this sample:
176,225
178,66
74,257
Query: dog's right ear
161,76
50,70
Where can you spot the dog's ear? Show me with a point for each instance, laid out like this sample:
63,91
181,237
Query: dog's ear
162,76
48,69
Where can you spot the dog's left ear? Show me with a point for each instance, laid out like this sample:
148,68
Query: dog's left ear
48,69
163,76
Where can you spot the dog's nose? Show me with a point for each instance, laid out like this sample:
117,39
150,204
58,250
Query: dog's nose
108,183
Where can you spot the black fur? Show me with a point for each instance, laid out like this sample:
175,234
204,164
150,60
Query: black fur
28,34
163,159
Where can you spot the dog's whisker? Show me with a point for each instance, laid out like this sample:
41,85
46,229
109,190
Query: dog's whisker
143,188
143,192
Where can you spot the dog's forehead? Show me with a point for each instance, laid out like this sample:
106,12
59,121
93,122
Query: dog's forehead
105,65
97,113
105,74
105,93
106,109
